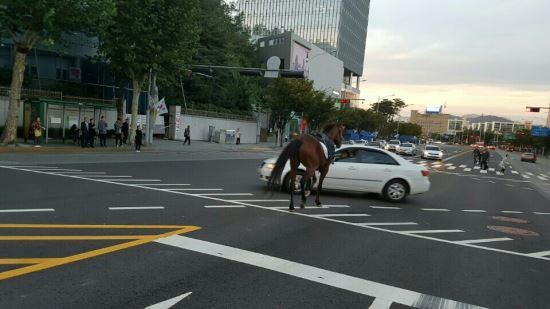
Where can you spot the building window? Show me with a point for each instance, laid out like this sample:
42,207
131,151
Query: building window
270,42
262,44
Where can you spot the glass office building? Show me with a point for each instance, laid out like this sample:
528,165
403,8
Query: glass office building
337,26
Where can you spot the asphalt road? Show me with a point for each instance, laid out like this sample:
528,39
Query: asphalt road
124,234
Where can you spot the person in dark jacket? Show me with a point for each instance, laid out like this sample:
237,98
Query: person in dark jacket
484,159
84,133
138,139
102,129
125,131
73,132
91,132
187,135
477,154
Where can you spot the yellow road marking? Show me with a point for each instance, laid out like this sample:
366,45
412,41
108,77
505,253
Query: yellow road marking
86,255
90,237
90,226
24,261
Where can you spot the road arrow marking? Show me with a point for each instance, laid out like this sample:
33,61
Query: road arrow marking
170,302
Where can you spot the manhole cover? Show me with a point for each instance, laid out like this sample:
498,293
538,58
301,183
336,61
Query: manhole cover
509,219
512,230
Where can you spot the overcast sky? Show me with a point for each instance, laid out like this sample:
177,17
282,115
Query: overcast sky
479,56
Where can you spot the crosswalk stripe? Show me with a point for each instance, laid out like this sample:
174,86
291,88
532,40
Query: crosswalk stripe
342,215
529,173
514,172
477,167
435,209
387,223
384,207
479,241
451,167
525,176
462,166
483,171
467,169
491,169
430,231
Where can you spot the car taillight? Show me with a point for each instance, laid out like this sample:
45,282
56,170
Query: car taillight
425,173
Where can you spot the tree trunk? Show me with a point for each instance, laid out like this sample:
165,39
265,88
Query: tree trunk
136,86
9,135
120,97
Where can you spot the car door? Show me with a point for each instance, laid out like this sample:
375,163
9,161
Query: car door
372,171
340,173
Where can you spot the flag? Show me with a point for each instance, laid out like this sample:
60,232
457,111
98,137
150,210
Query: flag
161,107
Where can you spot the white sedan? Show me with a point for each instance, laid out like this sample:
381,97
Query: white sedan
363,169
432,152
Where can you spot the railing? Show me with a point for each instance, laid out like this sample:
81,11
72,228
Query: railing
57,95
213,114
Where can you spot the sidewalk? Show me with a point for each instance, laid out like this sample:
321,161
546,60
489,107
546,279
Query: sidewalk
159,146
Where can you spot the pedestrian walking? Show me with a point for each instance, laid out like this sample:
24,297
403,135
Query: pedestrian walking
84,132
138,139
118,132
73,132
37,131
503,164
238,135
187,135
102,129
91,132
477,154
484,159
125,131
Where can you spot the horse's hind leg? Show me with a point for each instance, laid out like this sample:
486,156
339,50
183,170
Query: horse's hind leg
306,185
293,170
324,171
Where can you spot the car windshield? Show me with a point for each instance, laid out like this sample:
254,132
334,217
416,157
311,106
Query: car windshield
406,145
394,142
434,148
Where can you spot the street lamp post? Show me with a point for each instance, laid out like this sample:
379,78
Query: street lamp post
380,99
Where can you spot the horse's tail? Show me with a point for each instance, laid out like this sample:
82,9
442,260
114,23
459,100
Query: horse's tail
292,150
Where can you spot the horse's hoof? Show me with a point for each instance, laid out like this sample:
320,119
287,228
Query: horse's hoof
307,193
291,209
319,204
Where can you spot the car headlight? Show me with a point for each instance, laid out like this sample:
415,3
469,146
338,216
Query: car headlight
270,166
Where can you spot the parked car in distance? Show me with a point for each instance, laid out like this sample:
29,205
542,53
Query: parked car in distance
528,157
393,145
359,168
432,152
407,149
377,144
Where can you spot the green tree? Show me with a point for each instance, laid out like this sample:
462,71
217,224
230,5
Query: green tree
42,22
359,119
410,129
388,108
150,35
319,111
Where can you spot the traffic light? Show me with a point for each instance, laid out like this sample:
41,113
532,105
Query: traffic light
533,109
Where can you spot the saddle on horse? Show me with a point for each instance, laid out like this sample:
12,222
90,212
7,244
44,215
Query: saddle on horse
328,144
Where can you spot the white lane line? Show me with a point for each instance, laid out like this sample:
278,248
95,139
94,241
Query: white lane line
483,171
258,201
542,178
386,223
525,176
380,303
56,170
311,273
224,206
384,207
435,209
474,210
462,166
430,231
164,184
477,167
491,169
32,166
191,189
511,212
529,173
542,213
451,167
285,211
449,164
514,172
480,241
313,207
422,161
28,210
539,254
226,194
107,176
136,208
527,188
169,303
467,169
499,173
342,215
475,178
508,185
134,180
492,181
83,173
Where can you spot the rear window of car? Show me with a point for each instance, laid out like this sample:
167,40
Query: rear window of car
434,148
394,142
375,157
406,145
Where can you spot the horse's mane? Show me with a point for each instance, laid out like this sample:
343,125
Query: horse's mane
328,127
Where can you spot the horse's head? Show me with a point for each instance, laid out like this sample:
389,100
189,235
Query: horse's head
336,133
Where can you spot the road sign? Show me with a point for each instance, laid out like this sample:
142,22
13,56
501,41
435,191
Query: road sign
540,131
533,109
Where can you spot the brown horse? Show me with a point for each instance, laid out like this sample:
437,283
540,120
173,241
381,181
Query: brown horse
308,151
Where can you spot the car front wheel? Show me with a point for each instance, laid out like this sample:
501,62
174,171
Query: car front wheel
395,191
